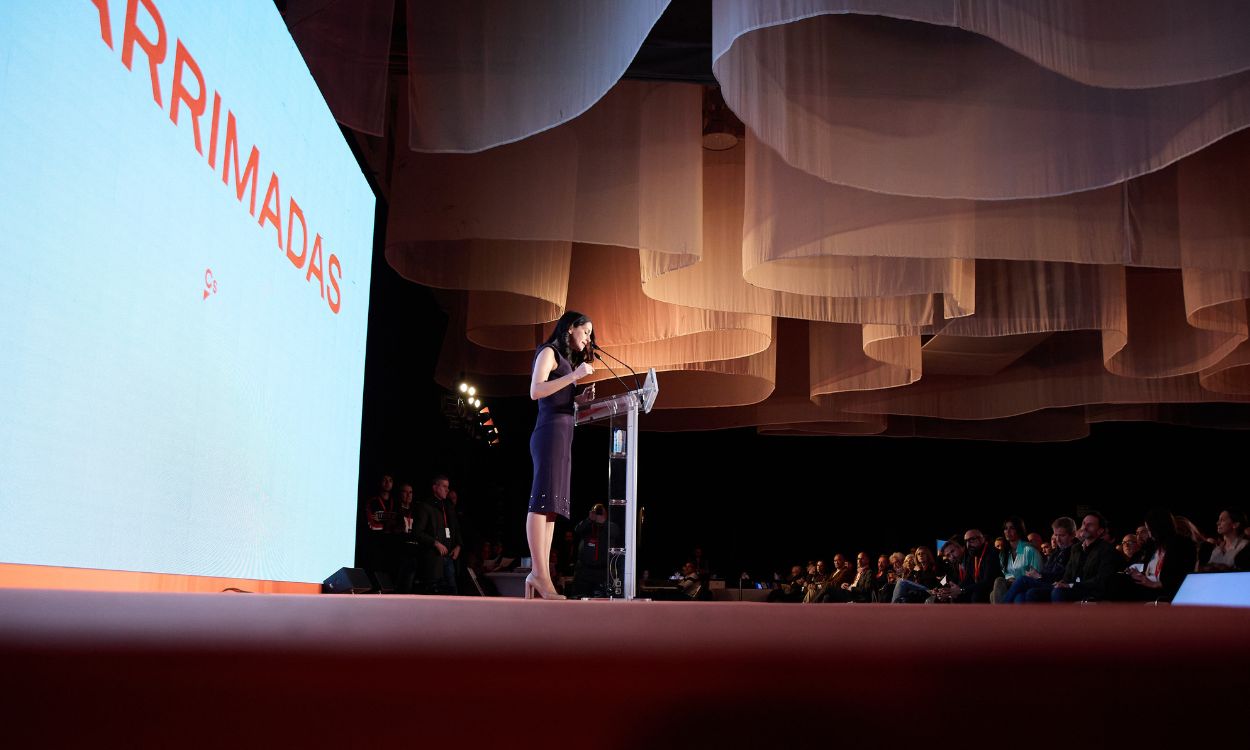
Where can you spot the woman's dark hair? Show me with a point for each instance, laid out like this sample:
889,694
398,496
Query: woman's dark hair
1018,522
559,337
1162,525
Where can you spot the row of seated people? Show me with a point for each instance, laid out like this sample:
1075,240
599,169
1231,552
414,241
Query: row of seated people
1081,562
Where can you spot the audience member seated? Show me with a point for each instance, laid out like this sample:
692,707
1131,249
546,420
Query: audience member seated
956,575
690,584
1090,568
921,582
817,581
842,573
790,590
981,568
1018,558
883,580
1175,556
897,560
857,590
1232,552
1052,568
1130,549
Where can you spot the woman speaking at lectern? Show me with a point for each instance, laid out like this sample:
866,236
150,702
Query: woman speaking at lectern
562,360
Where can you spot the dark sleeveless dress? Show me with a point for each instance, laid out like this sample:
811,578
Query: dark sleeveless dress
551,445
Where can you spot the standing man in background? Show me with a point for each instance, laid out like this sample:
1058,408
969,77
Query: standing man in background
446,533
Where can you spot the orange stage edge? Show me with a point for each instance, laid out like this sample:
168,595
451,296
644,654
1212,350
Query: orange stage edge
14,576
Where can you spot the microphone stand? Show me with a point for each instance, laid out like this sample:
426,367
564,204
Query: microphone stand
605,364
596,349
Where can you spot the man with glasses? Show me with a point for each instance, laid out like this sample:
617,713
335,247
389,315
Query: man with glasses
442,528
981,568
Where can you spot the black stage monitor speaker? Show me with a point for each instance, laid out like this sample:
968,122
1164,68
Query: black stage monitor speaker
382,582
347,581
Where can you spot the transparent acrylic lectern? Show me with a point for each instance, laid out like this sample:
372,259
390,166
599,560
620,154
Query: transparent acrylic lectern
622,473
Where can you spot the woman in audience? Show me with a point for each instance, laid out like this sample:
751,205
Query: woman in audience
921,581
1175,555
898,565
1233,550
1017,558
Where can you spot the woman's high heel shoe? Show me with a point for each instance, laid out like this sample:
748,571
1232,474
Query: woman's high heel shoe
532,588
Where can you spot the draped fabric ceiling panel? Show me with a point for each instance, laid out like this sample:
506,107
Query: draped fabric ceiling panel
967,219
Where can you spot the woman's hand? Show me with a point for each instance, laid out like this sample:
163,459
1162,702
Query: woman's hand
587,395
584,370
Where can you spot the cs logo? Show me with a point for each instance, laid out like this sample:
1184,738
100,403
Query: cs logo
210,284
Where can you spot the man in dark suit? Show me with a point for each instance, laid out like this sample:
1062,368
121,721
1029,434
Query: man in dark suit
432,543
1090,567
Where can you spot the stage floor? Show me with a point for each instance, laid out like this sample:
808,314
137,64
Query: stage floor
91,668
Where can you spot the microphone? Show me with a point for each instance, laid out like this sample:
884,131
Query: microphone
595,354
595,349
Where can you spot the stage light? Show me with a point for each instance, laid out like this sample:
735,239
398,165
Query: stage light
464,387
472,391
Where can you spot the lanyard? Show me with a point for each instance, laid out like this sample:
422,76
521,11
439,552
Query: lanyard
976,563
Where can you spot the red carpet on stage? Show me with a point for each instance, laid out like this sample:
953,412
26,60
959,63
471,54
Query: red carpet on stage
94,668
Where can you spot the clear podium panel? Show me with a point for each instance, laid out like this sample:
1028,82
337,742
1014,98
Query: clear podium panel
621,414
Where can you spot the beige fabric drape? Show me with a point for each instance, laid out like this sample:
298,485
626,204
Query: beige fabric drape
923,109
965,220
491,72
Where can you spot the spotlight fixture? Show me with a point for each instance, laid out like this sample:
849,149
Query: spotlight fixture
464,387
722,130
472,391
